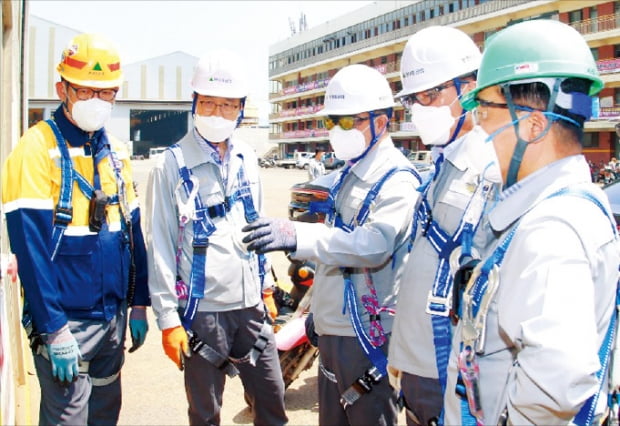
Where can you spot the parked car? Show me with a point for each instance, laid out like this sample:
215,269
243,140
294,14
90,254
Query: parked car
330,161
420,156
424,169
613,193
156,152
303,159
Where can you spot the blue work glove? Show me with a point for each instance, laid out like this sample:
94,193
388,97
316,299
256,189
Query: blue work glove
270,234
64,355
138,327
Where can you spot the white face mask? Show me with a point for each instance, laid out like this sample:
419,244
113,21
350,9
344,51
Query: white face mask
481,154
347,144
92,114
433,123
214,128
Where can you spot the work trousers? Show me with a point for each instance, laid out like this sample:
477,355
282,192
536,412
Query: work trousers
342,361
95,397
232,333
423,399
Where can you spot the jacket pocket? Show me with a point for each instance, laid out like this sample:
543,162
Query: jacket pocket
80,287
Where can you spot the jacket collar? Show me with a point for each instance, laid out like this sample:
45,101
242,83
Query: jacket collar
368,165
515,201
73,134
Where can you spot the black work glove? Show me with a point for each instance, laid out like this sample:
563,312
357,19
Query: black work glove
270,234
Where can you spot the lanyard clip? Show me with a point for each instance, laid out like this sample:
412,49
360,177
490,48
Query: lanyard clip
187,209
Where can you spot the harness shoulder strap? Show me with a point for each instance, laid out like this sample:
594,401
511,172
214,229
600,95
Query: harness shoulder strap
372,349
203,227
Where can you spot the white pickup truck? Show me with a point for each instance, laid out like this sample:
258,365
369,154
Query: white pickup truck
299,157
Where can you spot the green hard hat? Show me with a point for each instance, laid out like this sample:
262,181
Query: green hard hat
534,49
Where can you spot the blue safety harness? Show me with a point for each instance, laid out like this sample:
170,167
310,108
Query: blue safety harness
480,293
452,251
63,213
372,351
203,228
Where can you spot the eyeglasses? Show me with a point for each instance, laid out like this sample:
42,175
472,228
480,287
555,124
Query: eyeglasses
426,97
477,113
226,108
346,122
86,93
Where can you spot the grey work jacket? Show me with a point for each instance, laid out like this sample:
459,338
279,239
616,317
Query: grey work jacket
231,275
380,244
556,296
412,347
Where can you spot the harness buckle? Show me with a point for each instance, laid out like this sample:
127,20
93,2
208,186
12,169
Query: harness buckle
437,305
63,216
200,248
361,386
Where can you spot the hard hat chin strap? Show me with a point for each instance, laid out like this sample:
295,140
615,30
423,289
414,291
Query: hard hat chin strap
373,133
459,124
519,151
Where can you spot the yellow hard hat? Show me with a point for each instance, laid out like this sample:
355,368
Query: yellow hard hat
91,60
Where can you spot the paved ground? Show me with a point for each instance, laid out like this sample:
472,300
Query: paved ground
153,391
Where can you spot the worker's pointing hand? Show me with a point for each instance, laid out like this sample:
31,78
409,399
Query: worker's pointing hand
270,234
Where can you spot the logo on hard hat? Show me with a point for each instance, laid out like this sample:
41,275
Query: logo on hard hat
336,96
525,68
413,73
221,80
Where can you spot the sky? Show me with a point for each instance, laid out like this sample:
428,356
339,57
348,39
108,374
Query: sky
145,29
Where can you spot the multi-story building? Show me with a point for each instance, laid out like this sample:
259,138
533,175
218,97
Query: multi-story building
301,66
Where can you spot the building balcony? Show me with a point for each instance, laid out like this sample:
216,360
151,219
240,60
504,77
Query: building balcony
396,129
608,66
300,134
597,25
609,113
296,112
385,69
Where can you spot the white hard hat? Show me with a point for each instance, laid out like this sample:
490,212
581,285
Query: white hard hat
357,88
220,73
435,55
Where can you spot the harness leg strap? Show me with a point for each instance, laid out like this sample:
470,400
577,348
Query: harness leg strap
257,348
207,352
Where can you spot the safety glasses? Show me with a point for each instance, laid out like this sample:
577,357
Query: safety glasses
480,113
426,97
346,122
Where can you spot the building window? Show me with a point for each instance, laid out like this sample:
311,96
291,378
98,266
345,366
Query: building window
617,96
575,16
594,51
590,139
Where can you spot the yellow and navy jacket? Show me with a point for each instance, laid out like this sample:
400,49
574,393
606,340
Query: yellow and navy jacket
88,277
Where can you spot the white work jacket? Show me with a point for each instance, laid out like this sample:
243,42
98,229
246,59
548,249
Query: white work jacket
231,273
381,244
556,296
